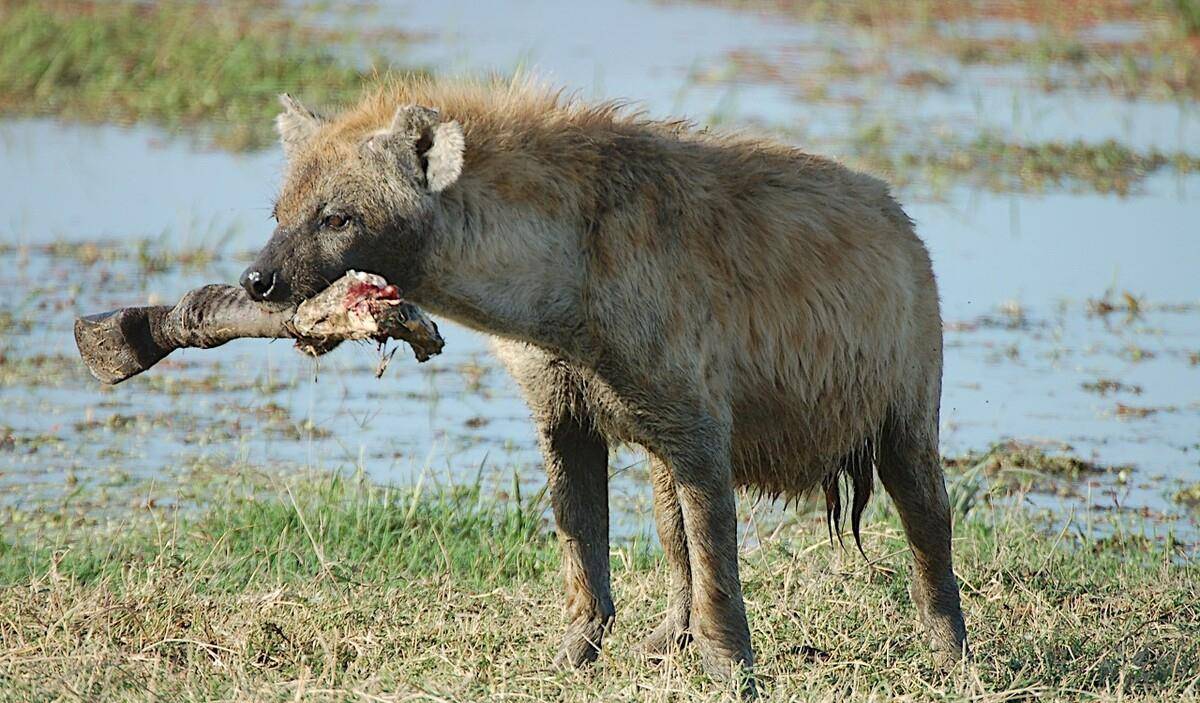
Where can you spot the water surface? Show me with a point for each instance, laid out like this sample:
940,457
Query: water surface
1017,271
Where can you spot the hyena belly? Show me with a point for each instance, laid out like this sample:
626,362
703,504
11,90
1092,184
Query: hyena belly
831,371
784,446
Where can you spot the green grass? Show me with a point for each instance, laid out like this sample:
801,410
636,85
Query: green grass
339,589
345,529
1188,495
1187,13
183,65
1004,166
1011,467
1161,63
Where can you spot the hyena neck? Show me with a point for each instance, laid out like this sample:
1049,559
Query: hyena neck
505,271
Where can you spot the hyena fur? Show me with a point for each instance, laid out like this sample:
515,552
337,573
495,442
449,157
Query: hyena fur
750,314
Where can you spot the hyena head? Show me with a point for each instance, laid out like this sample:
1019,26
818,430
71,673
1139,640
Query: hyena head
355,198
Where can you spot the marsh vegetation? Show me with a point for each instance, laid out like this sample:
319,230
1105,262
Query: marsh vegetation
208,67
244,524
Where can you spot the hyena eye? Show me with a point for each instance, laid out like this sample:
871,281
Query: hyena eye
335,222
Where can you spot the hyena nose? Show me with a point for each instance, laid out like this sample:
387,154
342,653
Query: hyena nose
259,284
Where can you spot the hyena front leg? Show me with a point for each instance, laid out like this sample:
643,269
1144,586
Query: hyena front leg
577,471
672,633
576,456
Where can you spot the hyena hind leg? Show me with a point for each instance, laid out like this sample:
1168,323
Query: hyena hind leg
911,472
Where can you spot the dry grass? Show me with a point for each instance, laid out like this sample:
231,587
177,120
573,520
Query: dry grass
339,590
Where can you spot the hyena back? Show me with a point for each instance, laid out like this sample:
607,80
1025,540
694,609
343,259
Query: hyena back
750,314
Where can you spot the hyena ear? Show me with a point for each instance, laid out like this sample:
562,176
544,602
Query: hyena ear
443,158
439,145
296,125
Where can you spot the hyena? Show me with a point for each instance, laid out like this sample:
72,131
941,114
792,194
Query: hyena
750,314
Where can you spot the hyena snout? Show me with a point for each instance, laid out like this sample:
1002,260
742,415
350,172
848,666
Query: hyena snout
261,284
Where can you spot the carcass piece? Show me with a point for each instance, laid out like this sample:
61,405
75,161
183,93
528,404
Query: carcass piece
123,343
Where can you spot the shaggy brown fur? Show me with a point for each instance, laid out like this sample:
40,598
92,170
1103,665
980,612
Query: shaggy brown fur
750,314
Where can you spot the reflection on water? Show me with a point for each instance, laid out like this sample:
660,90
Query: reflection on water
1016,272
68,182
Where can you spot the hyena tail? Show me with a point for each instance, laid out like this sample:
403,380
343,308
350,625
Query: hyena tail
854,475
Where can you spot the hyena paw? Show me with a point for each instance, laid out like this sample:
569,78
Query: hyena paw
731,665
582,640
669,637
725,661
949,648
940,616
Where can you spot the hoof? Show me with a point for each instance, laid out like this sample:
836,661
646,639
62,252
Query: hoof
581,643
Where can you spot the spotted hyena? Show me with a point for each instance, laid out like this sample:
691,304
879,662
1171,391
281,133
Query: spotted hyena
750,314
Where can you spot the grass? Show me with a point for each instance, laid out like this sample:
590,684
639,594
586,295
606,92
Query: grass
1105,386
885,14
345,529
1160,62
339,589
1012,467
214,67
1187,13
990,161
1188,495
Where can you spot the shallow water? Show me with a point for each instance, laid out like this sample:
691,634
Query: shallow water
1016,274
